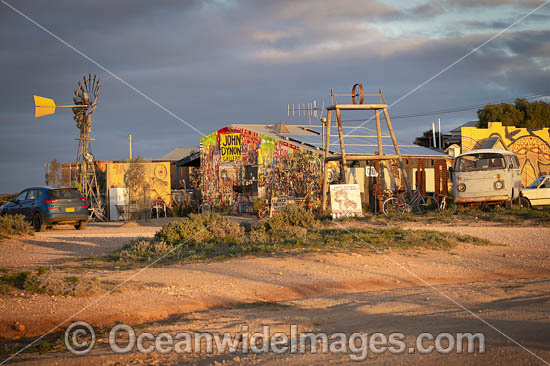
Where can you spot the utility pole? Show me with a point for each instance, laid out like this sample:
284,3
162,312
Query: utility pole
439,129
433,134
130,145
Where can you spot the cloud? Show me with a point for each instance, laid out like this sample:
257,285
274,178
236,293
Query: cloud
221,61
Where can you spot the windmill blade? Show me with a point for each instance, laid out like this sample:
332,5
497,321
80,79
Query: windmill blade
43,106
85,83
98,93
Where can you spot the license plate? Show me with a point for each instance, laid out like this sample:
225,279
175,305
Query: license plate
69,209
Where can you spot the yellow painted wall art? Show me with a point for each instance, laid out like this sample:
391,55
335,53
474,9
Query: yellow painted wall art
532,146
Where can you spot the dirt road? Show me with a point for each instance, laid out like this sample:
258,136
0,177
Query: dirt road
518,309
323,288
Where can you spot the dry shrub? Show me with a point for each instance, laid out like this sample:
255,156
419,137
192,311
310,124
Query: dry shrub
14,225
199,228
292,233
59,284
290,216
144,249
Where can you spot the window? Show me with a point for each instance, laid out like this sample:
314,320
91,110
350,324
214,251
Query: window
536,183
21,196
487,161
33,194
546,183
64,193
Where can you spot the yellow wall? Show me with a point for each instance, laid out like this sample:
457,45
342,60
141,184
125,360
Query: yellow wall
531,146
157,175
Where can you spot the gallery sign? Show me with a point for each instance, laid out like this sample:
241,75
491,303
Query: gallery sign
345,200
230,147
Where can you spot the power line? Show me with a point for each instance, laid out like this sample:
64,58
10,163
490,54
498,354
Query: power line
454,110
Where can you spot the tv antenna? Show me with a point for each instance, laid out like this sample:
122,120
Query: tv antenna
309,110
84,105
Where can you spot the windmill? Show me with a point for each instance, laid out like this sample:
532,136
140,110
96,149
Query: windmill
84,105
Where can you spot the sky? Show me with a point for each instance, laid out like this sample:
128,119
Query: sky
215,62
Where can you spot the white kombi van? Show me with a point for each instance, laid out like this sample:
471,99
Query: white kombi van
486,176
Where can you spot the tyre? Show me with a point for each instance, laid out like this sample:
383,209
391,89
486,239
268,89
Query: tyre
81,225
394,205
524,202
38,223
428,204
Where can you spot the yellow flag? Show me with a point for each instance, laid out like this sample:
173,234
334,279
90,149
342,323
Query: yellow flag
43,106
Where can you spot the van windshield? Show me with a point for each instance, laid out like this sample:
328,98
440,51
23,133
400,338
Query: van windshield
487,161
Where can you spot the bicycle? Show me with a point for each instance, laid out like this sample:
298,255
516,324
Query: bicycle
445,202
418,203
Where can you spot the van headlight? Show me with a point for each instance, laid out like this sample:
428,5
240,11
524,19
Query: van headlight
499,184
461,187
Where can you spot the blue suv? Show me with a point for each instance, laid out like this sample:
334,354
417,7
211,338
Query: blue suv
46,206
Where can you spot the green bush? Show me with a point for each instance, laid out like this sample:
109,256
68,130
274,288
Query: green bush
14,225
291,215
198,228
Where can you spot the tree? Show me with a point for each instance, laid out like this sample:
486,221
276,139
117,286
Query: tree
52,175
521,114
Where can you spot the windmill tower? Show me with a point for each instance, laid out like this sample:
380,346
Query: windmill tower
85,102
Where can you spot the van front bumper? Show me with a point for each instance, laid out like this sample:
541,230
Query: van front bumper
498,198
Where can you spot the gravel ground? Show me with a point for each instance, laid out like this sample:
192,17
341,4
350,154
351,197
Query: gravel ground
166,294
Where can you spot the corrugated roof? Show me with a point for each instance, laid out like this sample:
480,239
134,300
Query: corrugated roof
180,152
310,138
367,146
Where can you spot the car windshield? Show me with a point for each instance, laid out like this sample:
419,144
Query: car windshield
536,183
486,161
64,193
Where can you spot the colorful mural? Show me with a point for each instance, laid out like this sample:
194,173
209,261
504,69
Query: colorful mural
531,145
262,167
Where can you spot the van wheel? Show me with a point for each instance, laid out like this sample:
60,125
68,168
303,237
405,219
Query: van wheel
38,223
524,202
81,225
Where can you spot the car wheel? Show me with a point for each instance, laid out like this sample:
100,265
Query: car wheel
38,223
81,225
524,202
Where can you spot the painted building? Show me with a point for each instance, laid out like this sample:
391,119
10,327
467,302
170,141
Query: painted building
532,146
240,163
